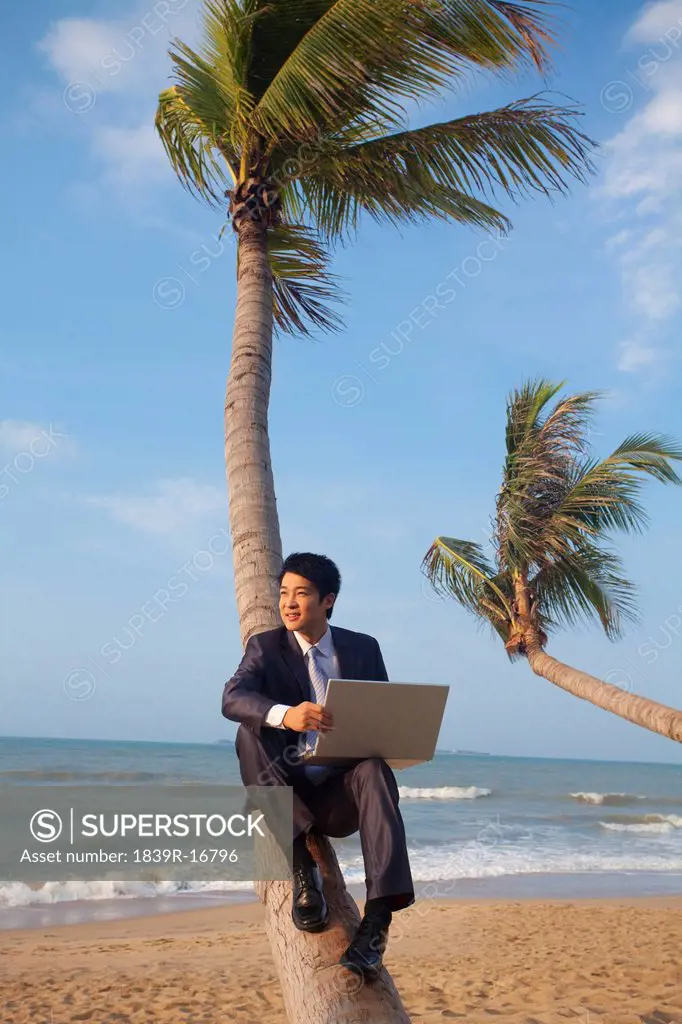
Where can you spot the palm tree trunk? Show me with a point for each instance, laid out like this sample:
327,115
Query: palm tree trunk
315,988
254,524
639,710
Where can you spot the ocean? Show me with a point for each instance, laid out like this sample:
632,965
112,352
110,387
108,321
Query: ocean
477,826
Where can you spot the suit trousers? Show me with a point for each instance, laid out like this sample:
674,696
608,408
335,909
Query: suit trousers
361,797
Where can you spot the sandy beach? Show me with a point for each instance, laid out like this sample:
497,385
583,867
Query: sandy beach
616,962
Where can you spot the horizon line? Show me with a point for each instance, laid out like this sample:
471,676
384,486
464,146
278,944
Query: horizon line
217,742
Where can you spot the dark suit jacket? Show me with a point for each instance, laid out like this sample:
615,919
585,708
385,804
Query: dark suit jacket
273,671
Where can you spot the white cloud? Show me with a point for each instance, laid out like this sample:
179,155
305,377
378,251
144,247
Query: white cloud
643,162
655,293
35,439
643,181
176,509
663,116
122,55
76,48
657,22
635,355
130,156
109,73
617,240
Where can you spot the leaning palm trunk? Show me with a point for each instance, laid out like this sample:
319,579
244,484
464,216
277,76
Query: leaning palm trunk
639,710
254,524
315,988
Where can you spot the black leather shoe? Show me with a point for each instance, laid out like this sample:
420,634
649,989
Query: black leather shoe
309,908
365,954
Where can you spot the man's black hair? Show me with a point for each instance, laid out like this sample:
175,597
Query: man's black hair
318,569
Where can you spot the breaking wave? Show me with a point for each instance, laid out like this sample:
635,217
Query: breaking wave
653,823
607,799
442,792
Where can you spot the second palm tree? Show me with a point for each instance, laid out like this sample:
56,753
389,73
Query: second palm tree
552,565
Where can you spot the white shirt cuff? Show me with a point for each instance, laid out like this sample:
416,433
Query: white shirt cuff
275,716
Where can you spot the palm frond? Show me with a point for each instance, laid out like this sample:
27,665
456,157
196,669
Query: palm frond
543,450
434,171
335,204
460,569
604,496
191,155
553,497
216,78
361,57
278,28
650,454
528,145
305,292
565,430
532,27
203,118
600,499
532,483
589,583
524,407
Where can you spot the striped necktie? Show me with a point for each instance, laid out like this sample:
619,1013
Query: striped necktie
318,684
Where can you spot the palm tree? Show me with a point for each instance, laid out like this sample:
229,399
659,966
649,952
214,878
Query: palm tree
294,112
552,564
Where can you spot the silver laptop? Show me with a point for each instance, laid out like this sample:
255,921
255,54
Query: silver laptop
399,722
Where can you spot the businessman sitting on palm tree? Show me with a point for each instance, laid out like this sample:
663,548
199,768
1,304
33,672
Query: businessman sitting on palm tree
277,696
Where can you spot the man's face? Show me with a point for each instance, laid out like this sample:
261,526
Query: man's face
300,605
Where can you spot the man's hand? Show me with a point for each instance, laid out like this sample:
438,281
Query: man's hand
307,717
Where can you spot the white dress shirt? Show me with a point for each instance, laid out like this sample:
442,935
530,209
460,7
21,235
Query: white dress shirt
328,661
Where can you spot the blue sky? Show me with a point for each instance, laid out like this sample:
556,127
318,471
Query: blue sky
118,614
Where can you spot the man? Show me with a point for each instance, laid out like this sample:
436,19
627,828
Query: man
277,696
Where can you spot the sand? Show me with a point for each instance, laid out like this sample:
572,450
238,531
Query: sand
595,961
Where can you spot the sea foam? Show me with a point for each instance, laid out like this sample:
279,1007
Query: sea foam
607,799
653,823
442,792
